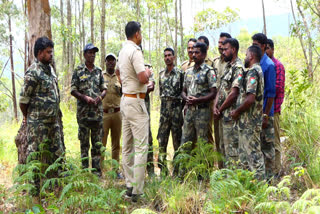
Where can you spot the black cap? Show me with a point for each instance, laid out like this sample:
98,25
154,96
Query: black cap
90,46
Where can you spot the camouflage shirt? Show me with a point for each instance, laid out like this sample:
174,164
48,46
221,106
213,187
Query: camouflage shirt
231,78
171,84
252,83
40,90
198,82
90,84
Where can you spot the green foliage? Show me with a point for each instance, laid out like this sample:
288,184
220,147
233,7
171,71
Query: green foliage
196,162
233,190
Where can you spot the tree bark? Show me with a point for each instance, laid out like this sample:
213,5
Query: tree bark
63,37
39,14
92,21
70,43
181,32
176,29
149,17
102,47
264,20
24,5
14,99
138,10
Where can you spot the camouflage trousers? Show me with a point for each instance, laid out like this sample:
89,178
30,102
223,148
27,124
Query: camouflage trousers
95,130
49,134
251,156
195,125
150,165
229,140
170,120
267,147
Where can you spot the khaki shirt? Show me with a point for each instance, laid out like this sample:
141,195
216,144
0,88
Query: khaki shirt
208,61
186,64
113,96
131,63
218,65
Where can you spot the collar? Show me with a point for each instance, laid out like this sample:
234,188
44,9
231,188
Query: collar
46,68
174,70
132,43
264,57
110,75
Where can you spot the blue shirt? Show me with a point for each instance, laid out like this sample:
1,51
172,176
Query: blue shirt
269,73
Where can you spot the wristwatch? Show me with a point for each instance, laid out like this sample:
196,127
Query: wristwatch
265,116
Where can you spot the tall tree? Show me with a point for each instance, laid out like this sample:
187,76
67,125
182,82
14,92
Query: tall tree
176,28
92,20
102,32
39,14
181,31
14,99
264,19
63,36
69,44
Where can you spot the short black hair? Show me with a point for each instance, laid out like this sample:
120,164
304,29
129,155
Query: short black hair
270,42
224,34
205,39
260,37
256,51
41,44
203,47
192,40
169,49
233,42
131,28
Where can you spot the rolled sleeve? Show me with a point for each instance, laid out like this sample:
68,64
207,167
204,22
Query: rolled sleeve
212,79
252,82
138,62
270,82
30,83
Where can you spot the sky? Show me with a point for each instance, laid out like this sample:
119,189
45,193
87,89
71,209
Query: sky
278,16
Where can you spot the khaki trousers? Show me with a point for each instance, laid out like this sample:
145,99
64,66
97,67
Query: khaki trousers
112,123
277,142
135,133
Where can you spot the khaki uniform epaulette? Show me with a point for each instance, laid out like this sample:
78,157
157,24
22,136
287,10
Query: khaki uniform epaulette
184,63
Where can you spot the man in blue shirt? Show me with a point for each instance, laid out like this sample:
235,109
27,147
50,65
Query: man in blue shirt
267,134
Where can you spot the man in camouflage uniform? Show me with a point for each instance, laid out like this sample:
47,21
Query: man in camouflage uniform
170,84
249,110
226,98
218,65
150,88
39,103
87,85
189,63
267,133
199,89
209,62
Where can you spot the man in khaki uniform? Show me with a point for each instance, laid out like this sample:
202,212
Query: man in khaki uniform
111,107
207,60
218,65
135,120
189,63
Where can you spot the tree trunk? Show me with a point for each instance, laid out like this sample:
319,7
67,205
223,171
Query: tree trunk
138,10
14,99
149,16
70,43
92,21
63,37
39,14
25,36
264,20
103,24
181,32
176,29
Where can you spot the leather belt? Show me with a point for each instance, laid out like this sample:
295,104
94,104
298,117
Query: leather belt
140,95
199,106
111,110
